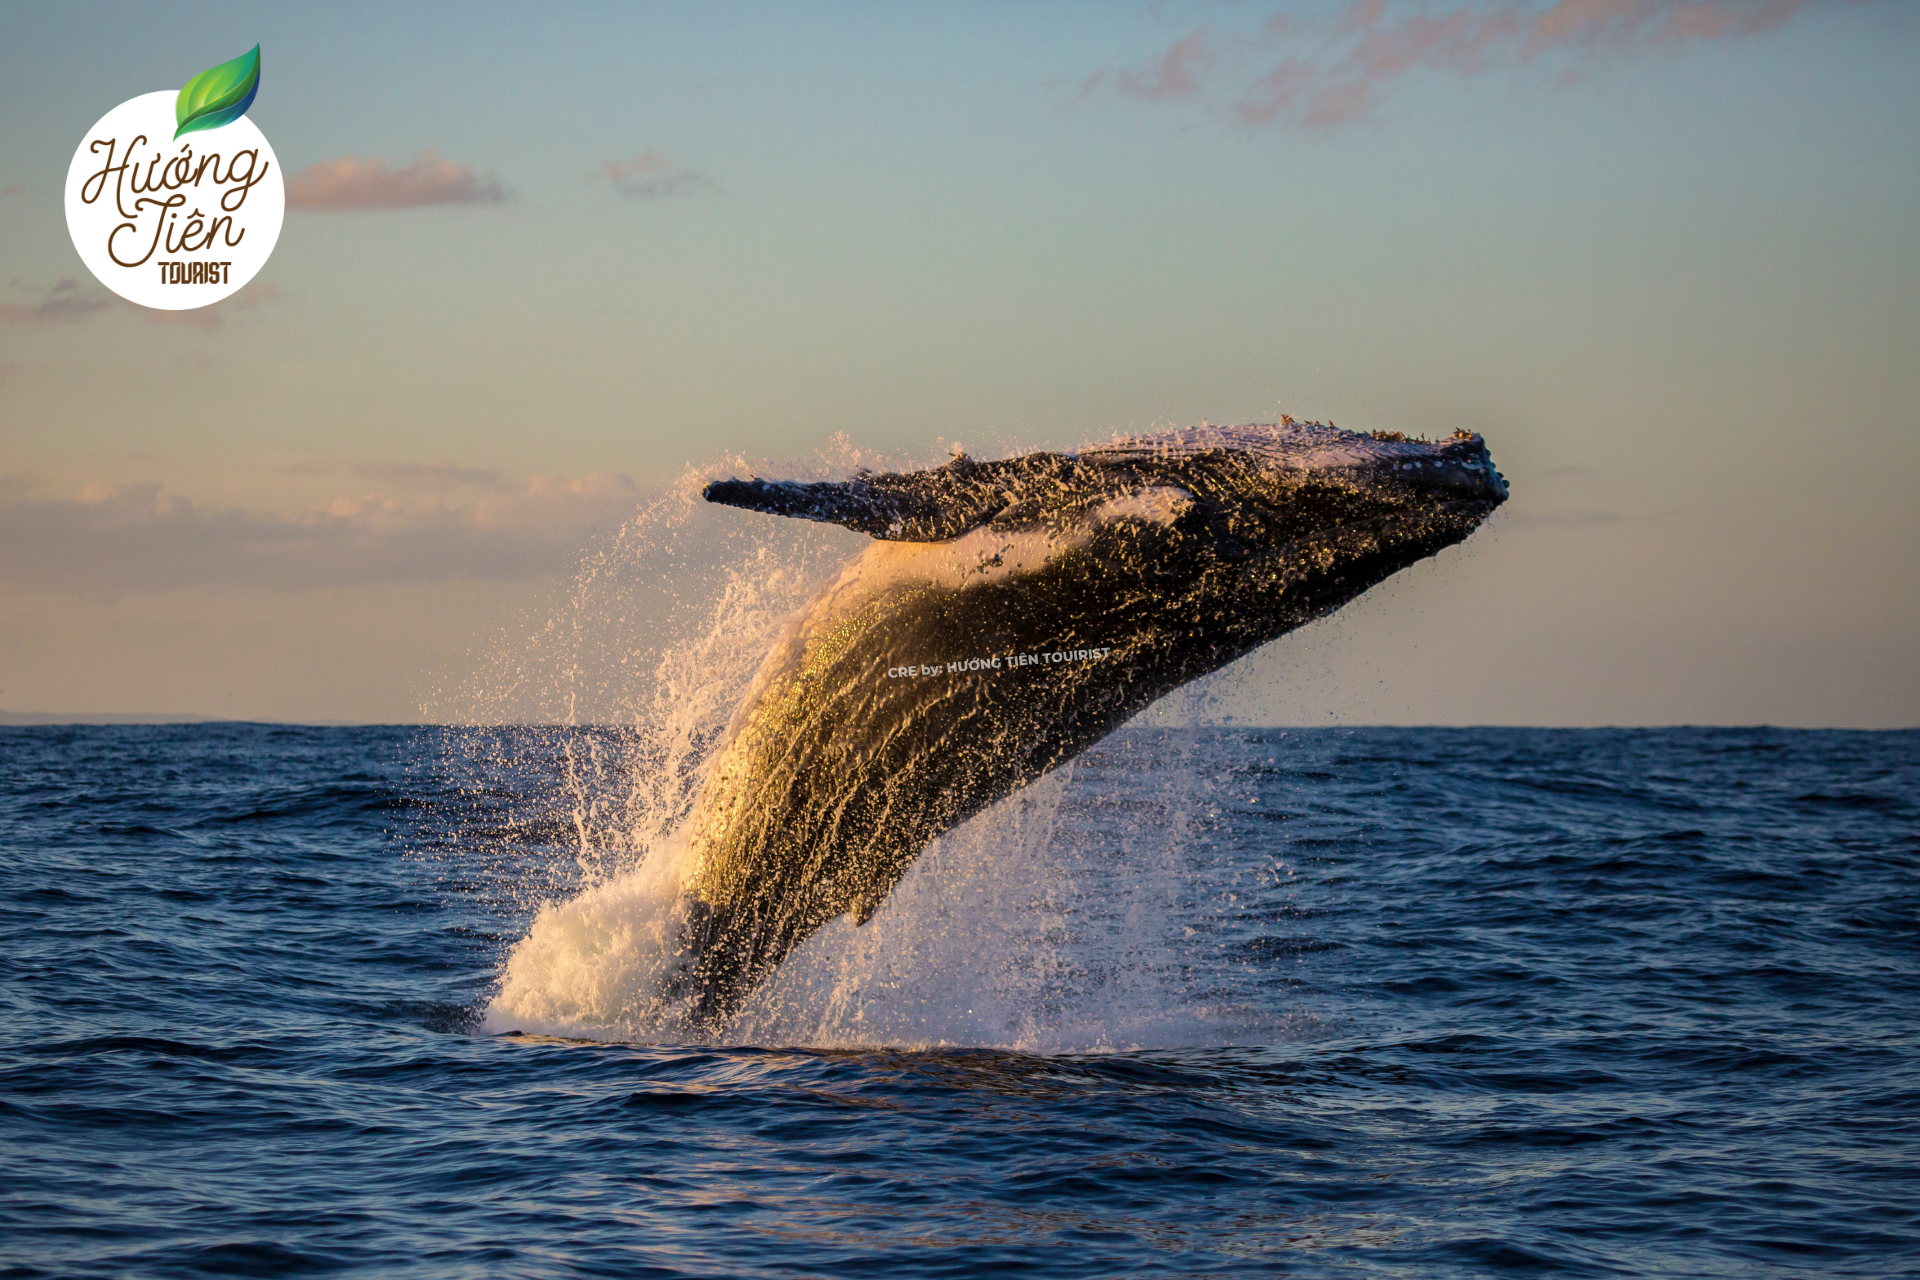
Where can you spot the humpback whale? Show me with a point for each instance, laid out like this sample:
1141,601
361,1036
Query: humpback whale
1008,615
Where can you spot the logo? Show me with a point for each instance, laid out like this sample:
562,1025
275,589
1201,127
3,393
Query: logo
174,200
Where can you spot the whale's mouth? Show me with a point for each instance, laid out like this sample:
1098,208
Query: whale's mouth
1401,488
1459,468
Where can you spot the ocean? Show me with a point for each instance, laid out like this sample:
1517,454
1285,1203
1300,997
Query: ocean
1329,1002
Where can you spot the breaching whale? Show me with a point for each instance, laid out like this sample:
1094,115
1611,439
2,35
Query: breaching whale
1008,615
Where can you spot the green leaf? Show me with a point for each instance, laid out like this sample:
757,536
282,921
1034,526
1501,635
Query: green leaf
219,95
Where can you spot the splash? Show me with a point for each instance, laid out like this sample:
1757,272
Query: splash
1060,919
590,730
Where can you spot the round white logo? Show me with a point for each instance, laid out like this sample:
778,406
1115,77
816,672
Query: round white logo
173,222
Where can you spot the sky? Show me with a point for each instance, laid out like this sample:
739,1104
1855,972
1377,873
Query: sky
539,262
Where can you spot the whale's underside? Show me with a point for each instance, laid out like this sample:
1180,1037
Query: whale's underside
1008,615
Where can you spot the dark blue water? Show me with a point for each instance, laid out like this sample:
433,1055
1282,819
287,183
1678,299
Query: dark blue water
1586,1003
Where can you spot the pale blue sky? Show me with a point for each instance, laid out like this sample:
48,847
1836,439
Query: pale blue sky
1675,281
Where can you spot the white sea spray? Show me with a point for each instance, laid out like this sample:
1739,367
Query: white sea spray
1054,921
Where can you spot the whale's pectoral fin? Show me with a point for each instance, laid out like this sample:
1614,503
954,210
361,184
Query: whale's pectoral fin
917,506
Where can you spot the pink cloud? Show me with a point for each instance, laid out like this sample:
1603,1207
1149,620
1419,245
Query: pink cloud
645,163
1174,75
1654,21
1293,71
651,176
367,182
430,476
11,189
66,300
115,539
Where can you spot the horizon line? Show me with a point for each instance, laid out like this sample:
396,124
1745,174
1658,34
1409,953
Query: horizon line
162,719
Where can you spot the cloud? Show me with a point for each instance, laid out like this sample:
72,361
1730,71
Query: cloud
1659,21
1316,75
433,476
1174,75
122,539
249,297
67,300
651,176
367,182
11,189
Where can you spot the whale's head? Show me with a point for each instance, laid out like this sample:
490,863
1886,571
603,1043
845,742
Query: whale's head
1340,505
